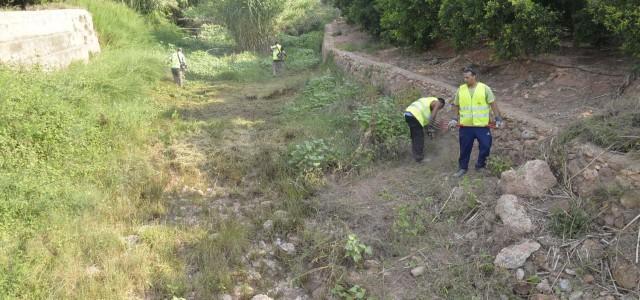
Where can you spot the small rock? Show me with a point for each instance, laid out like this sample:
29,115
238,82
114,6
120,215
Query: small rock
630,199
266,204
521,289
626,274
531,180
515,256
588,279
570,272
543,297
565,285
267,225
458,192
577,295
280,214
371,264
513,214
289,248
131,240
520,274
243,291
261,297
471,235
544,287
226,297
528,135
417,271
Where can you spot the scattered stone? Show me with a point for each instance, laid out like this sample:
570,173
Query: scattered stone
280,214
531,180
226,297
513,215
630,199
458,192
288,248
261,297
520,274
544,287
266,204
577,295
589,279
591,250
515,256
570,272
626,274
565,285
528,135
267,225
244,291
522,289
131,240
371,264
543,297
530,268
471,235
417,271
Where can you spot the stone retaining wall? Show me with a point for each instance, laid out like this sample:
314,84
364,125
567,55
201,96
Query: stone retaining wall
50,38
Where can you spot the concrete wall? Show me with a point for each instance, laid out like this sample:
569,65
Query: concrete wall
50,38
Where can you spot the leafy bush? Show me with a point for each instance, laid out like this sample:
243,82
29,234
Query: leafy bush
353,293
409,22
461,21
383,118
622,18
311,156
355,249
521,27
362,12
498,164
304,16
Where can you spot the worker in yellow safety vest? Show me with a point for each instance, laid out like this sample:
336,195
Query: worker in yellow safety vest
420,114
472,106
278,55
178,66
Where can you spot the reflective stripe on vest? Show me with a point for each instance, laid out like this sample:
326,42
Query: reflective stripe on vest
474,111
421,110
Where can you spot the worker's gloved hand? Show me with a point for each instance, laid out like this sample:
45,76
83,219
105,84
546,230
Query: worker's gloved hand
453,124
432,127
499,122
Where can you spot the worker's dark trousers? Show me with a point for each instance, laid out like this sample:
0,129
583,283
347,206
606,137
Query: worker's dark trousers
417,137
467,136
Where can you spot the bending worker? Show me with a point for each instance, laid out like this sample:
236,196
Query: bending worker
418,115
472,105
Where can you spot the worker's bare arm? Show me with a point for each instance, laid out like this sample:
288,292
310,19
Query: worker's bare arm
496,110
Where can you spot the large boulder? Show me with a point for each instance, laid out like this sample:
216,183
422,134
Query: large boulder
513,214
515,256
531,180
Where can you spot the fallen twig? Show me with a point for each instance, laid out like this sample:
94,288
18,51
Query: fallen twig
629,224
591,162
637,244
611,276
443,206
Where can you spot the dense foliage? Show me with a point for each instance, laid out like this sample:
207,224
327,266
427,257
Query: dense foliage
512,27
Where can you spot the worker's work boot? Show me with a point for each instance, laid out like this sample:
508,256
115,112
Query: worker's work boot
460,173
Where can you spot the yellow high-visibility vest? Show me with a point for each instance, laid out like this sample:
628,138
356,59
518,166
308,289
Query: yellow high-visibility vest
421,110
474,111
276,50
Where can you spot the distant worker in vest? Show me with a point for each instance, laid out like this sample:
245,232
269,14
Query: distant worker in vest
472,106
178,66
278,55
420,114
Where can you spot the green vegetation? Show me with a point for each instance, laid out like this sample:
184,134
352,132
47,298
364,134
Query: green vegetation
355,249
353,293
616,128
497,164
570,224
512,27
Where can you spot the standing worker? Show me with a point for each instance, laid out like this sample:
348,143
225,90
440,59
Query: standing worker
472,105
178,66
278,55
418,115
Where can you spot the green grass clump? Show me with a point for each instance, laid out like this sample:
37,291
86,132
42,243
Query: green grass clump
618,127
570,224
